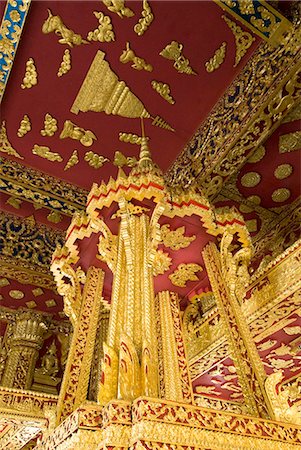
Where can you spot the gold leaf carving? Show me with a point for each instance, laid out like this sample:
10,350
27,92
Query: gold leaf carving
95,160
162,262
50,125
290,142
70,130
65,64
55,24
25,126
281,195
102,91
31,76
104,32
173,51
121,160
118,7
217,59
185,273
283,171
45,152
164,90
130,138
128,55
250,179
146,19
72,161
243,39
175,239
245,6
5,145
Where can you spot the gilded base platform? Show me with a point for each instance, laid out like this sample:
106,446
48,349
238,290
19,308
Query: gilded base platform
159,424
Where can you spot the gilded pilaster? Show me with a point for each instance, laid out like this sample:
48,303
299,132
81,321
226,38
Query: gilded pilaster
101,336
25,343
174,379
225,278
76,376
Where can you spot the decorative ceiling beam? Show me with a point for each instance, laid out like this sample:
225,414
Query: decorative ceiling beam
10,33
260,17
37,187
250,110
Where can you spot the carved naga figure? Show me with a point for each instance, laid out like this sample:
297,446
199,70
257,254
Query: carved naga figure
55,24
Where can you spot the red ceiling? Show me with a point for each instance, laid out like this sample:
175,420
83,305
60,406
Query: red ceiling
197,25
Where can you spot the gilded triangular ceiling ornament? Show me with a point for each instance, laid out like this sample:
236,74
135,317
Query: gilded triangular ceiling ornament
243,39
102,91
5,145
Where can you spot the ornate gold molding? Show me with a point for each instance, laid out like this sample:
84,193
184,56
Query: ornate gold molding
257,100
37,187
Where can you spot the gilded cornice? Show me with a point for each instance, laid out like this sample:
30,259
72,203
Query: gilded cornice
26,273
10,33
37,187
258,99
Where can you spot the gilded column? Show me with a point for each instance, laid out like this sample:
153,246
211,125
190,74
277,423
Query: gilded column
227,275
77,372
175,381
25,343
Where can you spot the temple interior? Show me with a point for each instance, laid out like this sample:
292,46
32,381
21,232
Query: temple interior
150,249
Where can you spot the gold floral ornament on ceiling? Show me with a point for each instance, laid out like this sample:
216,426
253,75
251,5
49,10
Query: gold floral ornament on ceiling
72,161
31,75
281,195
94,160
128,55
283,171
65,65
5,145
175,239
146,19
185,273
290,142
25,126
102,91
173,52
118,7
217,59
163,90
243,39
54,24
45,152
16,294
104,32
162,262
71,130
50,125
250,179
